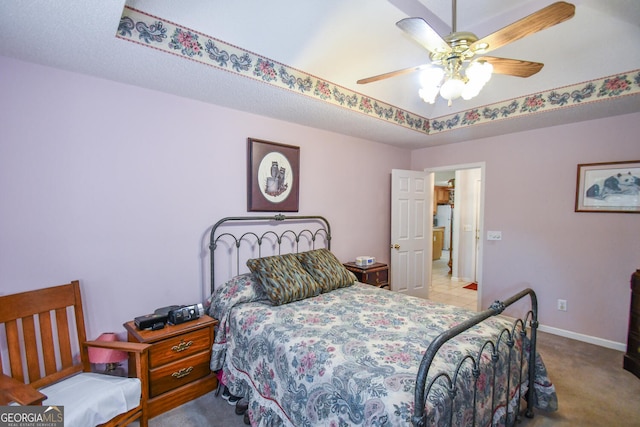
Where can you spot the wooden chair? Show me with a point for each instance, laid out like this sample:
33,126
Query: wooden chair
44,333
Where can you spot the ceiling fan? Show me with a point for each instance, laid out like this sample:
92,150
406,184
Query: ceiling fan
449,54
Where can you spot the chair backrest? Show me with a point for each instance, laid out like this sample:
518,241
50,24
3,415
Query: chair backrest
43,331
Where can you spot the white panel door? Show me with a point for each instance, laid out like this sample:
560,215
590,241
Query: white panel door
411,228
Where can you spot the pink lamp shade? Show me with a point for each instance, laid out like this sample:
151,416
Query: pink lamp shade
106,355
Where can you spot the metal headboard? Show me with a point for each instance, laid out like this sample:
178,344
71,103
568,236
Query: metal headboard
323,229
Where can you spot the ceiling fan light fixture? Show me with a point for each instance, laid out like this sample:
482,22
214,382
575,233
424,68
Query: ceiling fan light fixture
429,93
458,48
431,76
479,71
470,90
452,88
455,85
478,74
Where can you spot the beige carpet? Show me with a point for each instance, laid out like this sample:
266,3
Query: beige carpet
592,387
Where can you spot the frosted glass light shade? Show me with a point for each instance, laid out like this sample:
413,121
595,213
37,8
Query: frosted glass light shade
479,72
452,89
476,75
471,90
431,76
429,93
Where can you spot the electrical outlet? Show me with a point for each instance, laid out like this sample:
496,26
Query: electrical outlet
494,235
562,304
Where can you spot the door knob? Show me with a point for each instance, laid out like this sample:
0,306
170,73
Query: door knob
396,246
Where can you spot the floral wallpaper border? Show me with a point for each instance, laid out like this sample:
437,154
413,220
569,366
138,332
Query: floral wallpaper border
148,30
602,89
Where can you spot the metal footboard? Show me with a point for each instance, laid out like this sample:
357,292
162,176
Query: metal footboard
423,390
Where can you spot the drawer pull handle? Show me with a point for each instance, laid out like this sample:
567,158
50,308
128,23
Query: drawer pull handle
182,346
182,372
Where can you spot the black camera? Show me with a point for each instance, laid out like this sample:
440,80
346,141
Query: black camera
151,321
185,313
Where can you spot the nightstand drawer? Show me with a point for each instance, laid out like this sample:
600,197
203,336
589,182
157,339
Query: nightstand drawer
181,372
376,277
179,347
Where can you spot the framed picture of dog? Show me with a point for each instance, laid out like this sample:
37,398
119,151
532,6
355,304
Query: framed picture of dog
273,176
608,187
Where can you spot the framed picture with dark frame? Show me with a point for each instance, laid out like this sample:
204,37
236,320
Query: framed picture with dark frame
608,187
273,176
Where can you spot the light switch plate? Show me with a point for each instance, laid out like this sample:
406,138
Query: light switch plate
494,235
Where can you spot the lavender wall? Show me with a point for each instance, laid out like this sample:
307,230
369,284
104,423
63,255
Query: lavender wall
117,186
585,258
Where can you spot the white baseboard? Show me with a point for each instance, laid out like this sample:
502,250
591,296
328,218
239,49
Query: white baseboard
584,338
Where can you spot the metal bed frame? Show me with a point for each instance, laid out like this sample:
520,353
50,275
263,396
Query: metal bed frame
323,229
446,379
506,337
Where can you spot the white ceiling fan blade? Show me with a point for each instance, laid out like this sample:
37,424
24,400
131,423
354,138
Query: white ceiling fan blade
420,31
417,8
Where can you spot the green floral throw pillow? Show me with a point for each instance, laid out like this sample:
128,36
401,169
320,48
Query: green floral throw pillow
283,278
326,269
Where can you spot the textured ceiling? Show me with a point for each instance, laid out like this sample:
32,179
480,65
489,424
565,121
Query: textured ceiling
339,42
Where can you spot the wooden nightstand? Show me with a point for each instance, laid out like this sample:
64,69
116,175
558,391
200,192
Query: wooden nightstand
179,360
376,274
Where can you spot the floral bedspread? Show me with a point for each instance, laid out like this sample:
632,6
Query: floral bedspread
350,358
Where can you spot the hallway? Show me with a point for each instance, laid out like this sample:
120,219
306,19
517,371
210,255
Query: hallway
448,291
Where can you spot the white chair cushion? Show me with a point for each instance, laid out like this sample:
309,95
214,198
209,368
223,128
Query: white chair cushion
91,399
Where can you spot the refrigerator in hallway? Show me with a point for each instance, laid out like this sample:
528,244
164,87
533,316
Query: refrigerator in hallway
443,219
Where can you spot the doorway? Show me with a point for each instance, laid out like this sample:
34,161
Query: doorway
458,268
